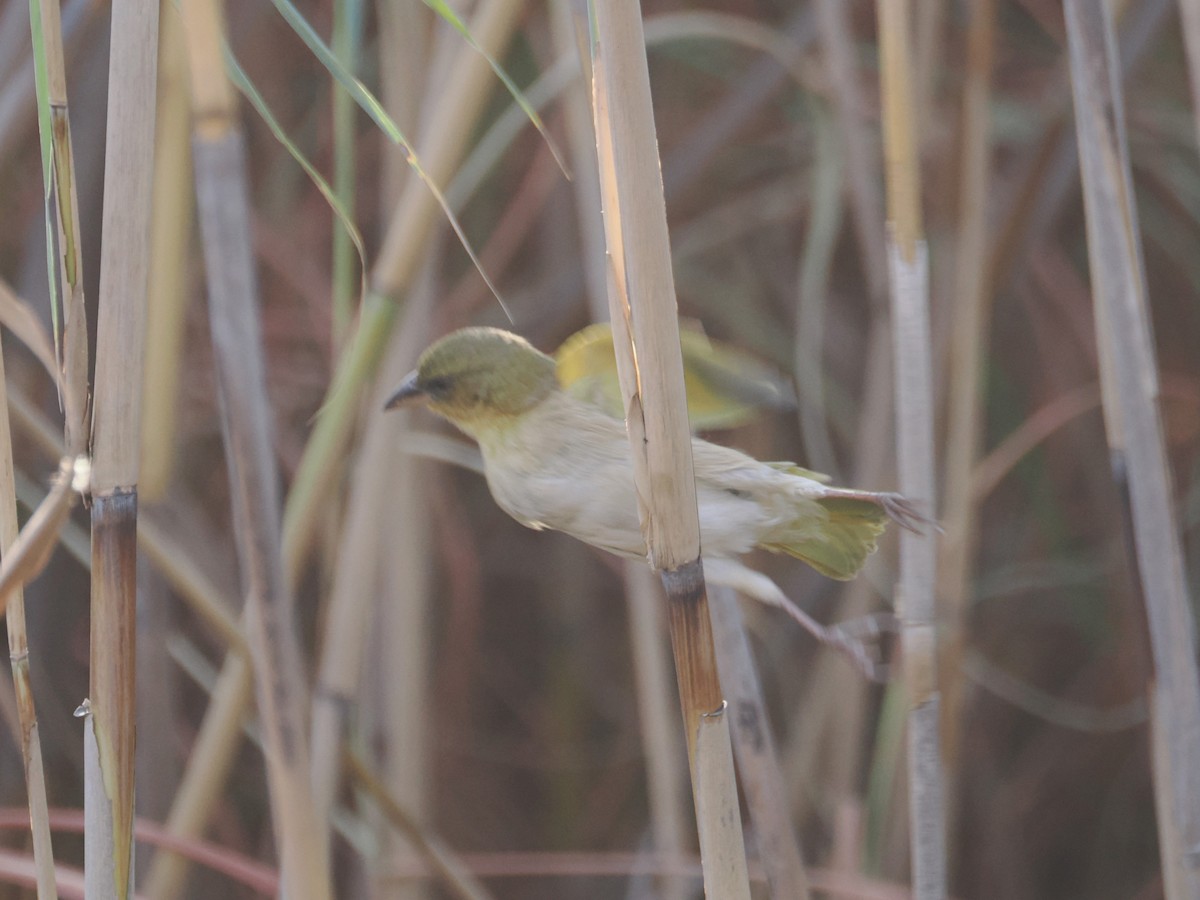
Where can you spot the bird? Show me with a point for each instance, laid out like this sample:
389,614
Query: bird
555,461
725,387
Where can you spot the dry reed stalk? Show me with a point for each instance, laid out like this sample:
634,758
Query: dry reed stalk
754,747
221,188
18,654
74,350
402,29
1129,386
120,339
971,313
651,663
930,24
646,336
401,647
174,203
366,550
908,266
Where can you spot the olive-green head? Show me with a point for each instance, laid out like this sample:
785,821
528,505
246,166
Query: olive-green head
478,377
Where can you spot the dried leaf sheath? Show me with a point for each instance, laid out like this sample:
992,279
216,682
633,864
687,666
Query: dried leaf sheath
113,640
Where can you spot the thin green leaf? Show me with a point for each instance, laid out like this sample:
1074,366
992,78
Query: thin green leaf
372,107
348,25
443,9
242,81
46,147
344,76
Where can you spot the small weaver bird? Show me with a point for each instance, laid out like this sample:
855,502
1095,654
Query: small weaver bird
555,461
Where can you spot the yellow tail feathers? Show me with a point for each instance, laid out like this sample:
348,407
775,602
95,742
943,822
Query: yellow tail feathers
842,542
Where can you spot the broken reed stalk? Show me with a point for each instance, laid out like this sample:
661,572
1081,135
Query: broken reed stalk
120,337
1129,384
909,288
222,201
650,368
18,655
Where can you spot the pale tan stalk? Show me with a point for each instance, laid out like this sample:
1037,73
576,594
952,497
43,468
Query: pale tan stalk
18,654
908,267
120,339
646,336
930,18
1129,387
651,663
397,706
174,202
402,65
367,550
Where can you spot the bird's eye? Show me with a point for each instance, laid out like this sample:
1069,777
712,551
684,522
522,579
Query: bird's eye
436,385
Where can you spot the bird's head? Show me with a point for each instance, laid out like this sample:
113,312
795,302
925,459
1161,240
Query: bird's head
478,377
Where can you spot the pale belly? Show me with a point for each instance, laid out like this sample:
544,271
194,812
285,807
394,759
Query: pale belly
592,498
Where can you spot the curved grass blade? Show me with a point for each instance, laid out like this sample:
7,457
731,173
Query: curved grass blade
443,9
372,107
242,82
41,80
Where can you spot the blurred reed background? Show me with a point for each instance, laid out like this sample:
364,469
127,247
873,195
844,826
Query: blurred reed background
456,706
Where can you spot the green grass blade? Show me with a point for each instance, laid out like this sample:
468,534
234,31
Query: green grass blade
363,97
46,148
372,108
443,9
242,81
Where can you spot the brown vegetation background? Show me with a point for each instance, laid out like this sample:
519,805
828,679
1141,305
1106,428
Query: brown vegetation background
496,693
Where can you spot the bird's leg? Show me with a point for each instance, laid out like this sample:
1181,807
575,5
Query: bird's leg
858,639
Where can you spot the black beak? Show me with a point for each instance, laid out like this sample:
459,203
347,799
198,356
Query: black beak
407,394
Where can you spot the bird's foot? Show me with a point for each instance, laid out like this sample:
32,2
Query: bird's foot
862,641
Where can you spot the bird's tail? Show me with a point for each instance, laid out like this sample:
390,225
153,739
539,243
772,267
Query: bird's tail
842,543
